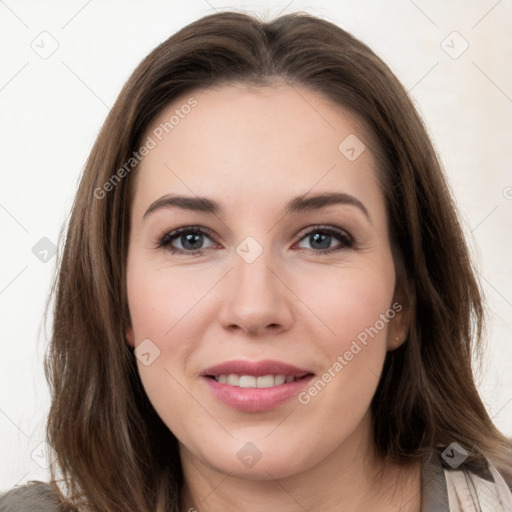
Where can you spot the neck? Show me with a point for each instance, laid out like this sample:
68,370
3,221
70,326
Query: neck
351,478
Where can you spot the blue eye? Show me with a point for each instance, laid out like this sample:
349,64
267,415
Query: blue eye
321,240
193,240
186,241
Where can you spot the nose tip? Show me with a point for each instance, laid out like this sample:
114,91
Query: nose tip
253,325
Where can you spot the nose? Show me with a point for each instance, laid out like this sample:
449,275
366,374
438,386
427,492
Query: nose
256,299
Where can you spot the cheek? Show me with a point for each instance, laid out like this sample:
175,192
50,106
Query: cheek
161,299
355,310
351,301
163,311
167,307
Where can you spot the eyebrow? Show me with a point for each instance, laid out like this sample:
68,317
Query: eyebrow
296,205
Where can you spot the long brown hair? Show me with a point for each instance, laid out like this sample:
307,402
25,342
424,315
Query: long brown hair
114,452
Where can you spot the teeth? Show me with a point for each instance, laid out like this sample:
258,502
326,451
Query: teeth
266,381
249,381
233,380
280,379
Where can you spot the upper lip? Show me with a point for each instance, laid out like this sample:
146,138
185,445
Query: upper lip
255,368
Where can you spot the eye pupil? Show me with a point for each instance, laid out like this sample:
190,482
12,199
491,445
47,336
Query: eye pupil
322,241
191,241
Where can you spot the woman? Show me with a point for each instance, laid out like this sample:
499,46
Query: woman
265,299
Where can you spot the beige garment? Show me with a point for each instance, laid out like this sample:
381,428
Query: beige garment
468,492
445,489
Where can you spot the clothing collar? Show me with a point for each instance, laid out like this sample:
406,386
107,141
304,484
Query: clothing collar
445,489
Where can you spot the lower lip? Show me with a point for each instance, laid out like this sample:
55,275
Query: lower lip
256,399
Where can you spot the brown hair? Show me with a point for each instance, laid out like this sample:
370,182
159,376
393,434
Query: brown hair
114,452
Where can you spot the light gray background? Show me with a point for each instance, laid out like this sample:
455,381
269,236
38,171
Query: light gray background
53,107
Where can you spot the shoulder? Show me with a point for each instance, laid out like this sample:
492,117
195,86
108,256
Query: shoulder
462,486
34,496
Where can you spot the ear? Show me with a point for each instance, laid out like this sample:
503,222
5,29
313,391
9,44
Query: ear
130,337
399,325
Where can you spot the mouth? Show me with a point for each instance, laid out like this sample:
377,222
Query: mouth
255,386
251,381
244,370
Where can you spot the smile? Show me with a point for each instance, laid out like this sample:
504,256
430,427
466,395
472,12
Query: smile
255,386
250,381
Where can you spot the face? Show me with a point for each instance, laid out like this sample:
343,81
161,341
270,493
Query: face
281,271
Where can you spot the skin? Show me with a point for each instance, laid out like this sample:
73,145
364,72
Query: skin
294,303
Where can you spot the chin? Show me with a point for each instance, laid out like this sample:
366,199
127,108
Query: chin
258,460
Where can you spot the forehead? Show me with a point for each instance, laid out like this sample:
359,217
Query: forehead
254,143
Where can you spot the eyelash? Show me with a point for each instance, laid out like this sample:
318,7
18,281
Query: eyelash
341,235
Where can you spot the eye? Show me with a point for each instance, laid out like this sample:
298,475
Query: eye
326,239
187,240
193,240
